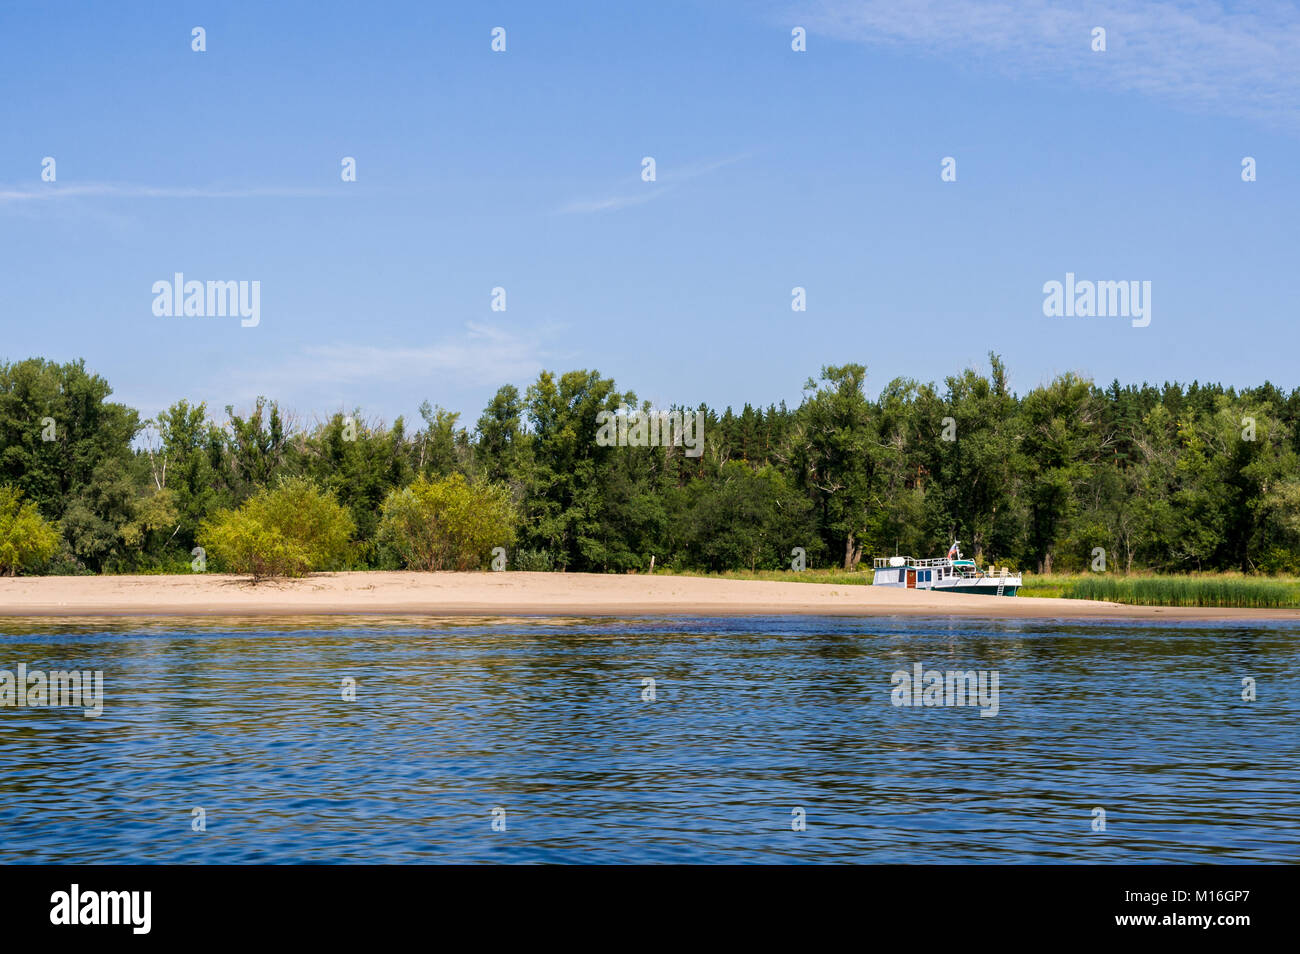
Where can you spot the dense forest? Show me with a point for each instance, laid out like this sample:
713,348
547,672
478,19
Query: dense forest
1171,477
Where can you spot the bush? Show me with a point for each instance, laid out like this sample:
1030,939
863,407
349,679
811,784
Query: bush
534,561
446,523
289,531
27,540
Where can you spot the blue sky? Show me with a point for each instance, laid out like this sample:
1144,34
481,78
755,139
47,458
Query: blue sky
522,169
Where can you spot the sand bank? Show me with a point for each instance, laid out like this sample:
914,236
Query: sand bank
529,594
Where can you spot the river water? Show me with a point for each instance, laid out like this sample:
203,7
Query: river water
772,739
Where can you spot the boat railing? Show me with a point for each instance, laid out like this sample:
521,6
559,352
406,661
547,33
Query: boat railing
965,571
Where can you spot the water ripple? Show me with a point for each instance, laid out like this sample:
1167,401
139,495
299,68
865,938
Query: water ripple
752,719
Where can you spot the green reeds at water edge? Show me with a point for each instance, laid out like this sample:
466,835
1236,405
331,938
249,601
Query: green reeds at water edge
1227,590
1224,591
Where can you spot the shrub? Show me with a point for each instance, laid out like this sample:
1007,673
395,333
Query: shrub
447,523
27,540
535,561
288,531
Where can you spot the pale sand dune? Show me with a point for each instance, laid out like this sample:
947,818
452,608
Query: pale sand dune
527,594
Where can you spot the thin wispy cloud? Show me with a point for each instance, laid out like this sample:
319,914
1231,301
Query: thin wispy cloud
610,203
319,376
47,192
667,178
314,378
1238,59
481,352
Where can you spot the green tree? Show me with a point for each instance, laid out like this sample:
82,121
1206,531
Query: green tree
68,449
564,495
502,441
747,518
836,455
187,458
359,462
258,445
1061,444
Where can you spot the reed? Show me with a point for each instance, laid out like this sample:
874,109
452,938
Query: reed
1218,591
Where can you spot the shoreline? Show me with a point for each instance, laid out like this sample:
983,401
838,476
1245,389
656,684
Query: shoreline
517,594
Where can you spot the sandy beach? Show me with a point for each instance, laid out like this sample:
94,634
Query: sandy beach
529,594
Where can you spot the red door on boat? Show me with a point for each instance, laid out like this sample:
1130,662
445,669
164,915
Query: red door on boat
911,579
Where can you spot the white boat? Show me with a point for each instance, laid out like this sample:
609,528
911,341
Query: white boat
951,574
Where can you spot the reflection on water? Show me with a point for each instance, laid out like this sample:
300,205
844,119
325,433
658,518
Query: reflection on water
752,719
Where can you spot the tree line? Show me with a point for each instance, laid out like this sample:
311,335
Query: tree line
1171,477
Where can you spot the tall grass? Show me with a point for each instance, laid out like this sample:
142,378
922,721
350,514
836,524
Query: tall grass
1050,584
1221,591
